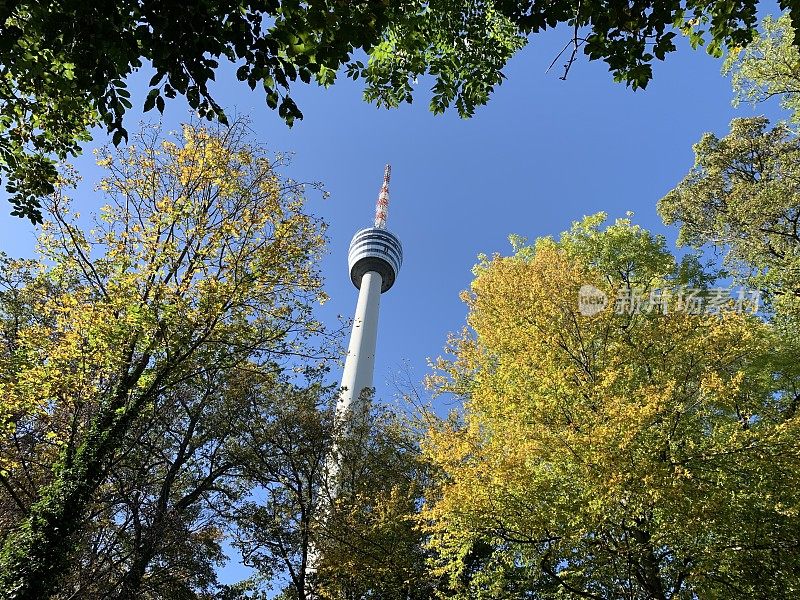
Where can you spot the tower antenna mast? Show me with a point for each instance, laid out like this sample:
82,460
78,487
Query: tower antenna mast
382,205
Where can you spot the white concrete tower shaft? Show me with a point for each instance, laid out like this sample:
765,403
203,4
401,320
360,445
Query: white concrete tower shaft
359,365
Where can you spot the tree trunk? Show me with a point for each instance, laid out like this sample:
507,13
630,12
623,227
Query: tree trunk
34,557
648,571
132,581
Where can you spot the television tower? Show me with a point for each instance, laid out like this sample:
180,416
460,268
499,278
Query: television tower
374,260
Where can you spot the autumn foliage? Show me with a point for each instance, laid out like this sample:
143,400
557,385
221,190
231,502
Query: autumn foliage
200,268
643,455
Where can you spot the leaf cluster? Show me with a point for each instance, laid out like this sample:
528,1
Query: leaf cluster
63,67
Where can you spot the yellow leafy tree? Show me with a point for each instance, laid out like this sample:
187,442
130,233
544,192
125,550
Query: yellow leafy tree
370,543
640,451
202,258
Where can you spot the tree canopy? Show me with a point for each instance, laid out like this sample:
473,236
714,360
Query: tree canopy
64,64
196,282
640,451
768,67
636,449
741,194
162,393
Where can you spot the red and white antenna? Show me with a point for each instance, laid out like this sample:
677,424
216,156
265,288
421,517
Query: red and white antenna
382,206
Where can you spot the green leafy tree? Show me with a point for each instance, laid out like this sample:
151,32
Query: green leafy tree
159,518
741,195
64,64
768,67
284,443
364,543
150,532
640,451
370,544
202,264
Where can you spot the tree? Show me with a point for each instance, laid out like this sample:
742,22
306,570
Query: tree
364,543
284,443
641,451
160,516
741,195
200,271
768,67
154,527
64,64
370,544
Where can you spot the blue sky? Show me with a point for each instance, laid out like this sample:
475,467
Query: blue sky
542,154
